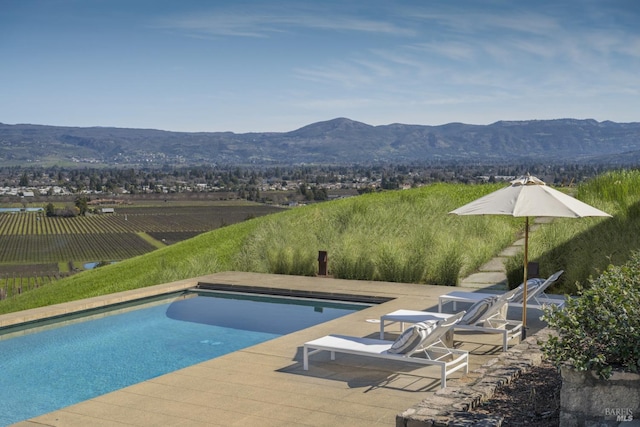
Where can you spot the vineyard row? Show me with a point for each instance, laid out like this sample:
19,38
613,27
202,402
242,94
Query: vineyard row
81,247
12,285
36,224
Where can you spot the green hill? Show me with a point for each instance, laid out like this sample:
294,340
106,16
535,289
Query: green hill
402,236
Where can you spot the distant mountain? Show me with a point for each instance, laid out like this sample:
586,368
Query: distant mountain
336,141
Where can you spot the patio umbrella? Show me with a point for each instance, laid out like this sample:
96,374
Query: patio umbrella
527,197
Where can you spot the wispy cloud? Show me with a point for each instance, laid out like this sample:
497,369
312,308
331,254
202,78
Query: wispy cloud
222,24
266,21
344,74
454,50
461,21
346,23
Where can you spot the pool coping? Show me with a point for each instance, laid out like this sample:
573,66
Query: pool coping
330,296
71,307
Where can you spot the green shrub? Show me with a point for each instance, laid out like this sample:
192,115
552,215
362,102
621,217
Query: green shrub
600,330
446,267
292,261
352,265
395,265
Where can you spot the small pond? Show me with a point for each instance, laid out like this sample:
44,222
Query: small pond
94,264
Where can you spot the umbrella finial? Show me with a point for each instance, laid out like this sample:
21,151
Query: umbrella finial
527,179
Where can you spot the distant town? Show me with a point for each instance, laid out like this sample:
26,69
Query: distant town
270,185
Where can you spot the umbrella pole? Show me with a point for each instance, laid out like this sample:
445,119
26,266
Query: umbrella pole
526,273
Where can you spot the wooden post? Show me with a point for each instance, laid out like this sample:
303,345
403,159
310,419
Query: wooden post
323,262
526,277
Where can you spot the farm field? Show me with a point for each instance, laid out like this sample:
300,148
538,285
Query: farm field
33,242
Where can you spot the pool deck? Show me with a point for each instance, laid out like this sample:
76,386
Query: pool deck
265,384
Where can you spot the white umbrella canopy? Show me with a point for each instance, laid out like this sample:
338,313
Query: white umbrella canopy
527,197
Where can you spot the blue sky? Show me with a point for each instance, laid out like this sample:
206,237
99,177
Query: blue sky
246,66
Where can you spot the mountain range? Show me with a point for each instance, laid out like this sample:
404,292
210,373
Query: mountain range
337,141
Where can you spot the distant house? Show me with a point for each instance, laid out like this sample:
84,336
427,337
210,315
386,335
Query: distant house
27,194
108,210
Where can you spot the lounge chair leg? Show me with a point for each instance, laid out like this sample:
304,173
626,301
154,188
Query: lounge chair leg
305,359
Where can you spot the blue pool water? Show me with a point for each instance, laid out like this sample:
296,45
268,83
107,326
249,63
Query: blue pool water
54,368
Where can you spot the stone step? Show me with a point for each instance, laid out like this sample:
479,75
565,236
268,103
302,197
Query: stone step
485,280
512,250
495,265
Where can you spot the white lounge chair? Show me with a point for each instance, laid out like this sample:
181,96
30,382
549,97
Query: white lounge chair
487,315
421,344
410,317
536,298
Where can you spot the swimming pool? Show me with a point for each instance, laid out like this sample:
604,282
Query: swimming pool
62,365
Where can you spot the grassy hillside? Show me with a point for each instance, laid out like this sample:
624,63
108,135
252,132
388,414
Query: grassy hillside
404,236
585,247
